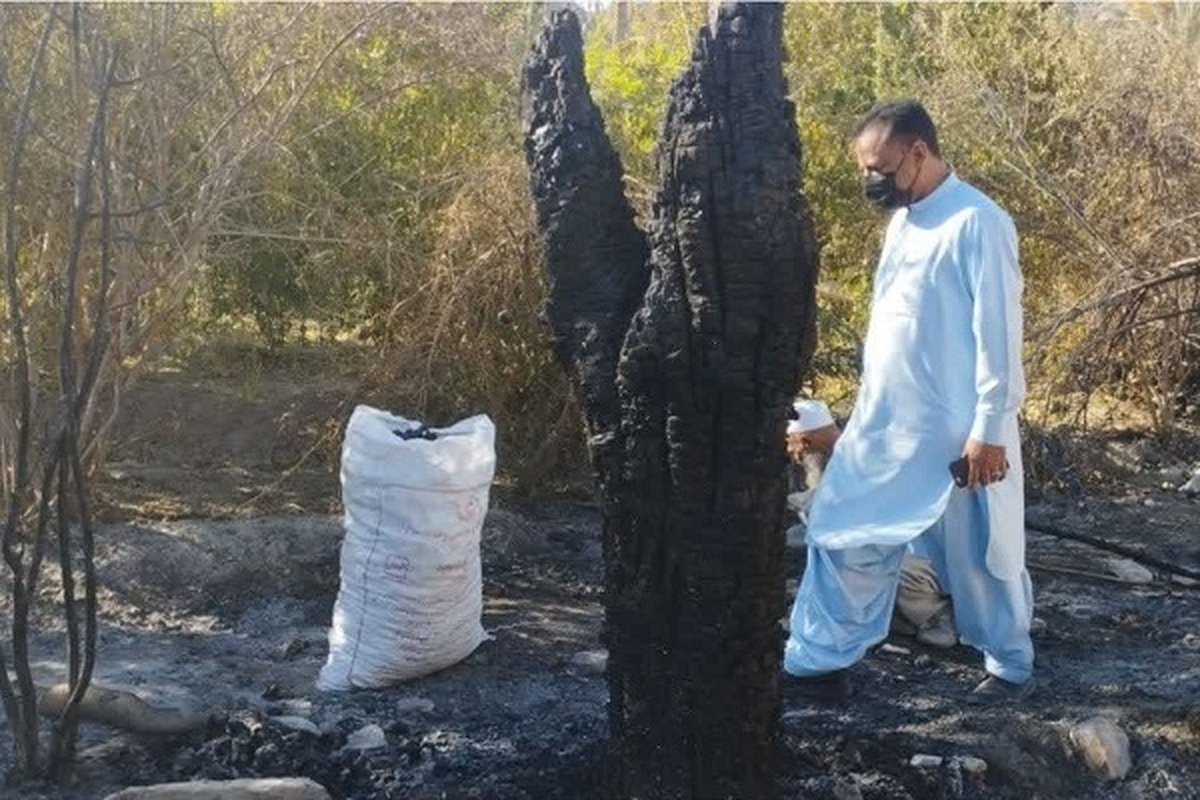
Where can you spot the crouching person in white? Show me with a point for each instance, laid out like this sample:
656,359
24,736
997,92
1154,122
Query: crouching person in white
942,380
923,608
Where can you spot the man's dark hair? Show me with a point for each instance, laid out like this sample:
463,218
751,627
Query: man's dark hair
904,119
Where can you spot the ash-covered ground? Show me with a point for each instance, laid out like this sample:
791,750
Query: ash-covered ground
230,617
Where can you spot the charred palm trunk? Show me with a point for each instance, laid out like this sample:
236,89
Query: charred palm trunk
684,351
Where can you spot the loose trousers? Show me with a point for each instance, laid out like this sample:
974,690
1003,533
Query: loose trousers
844,603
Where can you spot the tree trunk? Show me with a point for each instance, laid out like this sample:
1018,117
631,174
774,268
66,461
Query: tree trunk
685,360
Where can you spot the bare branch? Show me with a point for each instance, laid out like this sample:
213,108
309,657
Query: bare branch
22,715
64,739
81,662
1178,271
15,306
99,338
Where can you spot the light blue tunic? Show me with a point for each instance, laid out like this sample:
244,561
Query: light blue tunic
941,364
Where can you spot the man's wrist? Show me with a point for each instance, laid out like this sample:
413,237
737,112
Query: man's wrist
988,427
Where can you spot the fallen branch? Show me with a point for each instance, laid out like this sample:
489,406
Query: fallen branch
1111,547
121,710
1082,573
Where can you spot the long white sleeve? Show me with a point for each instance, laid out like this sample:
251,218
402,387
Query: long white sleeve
996,285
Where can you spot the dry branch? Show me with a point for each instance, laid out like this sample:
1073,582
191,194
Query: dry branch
20,704
1177,271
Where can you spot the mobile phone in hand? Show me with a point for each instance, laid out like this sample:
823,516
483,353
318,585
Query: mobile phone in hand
959,471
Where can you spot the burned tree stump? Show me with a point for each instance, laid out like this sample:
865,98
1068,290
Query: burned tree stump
685,359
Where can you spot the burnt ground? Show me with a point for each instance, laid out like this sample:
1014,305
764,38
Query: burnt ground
229,616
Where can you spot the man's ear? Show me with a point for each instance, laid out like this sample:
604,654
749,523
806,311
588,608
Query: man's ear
921,149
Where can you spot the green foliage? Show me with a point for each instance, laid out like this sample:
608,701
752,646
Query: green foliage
630,74
355,170
326,233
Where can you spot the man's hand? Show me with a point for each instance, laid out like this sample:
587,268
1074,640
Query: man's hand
818,440
986,463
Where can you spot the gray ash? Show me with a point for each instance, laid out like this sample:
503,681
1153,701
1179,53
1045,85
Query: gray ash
412,765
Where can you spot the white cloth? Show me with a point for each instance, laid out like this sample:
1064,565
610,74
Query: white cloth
941,364
810,415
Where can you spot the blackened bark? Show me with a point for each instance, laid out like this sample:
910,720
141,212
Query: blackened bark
595,254
690,461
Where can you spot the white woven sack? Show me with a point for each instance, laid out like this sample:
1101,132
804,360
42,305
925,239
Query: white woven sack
411,596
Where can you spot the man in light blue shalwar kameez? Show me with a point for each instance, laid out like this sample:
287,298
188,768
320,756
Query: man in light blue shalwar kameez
942,380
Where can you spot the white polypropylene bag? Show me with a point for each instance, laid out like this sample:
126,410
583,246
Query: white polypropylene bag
411,595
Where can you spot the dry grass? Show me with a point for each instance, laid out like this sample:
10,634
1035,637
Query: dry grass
467,337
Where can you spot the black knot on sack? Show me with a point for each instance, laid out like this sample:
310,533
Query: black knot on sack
423,432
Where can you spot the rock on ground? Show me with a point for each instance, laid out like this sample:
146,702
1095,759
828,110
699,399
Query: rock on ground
1103,746
245,789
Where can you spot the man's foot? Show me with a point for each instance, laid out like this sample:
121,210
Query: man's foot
997,691
828,686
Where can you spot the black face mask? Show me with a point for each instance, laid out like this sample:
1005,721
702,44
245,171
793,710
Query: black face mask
881,191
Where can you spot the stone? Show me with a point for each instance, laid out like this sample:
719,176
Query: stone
296,707
925,761
293,648
250,720
894,649
589,662
1192,486
1103,746
1129,570
111,762
368,737
297,724
244,789
843,789
1147,451
971,766
1174,475
837,787
419,705
794,717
